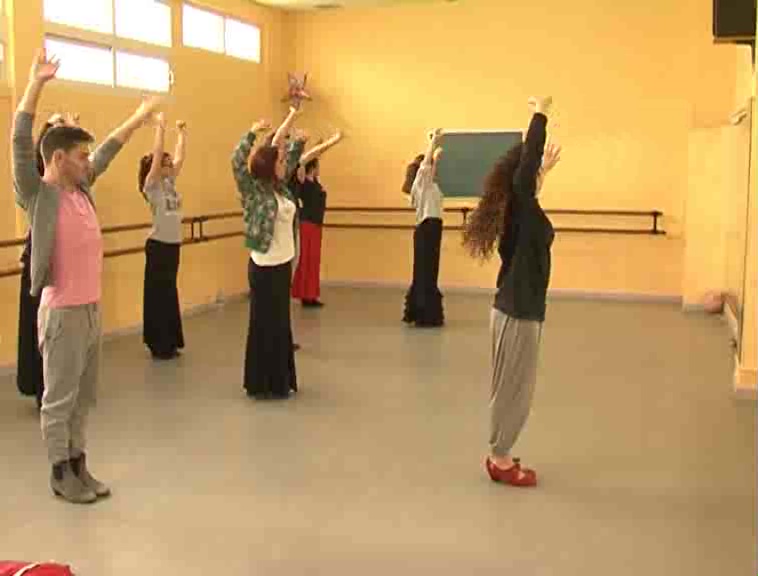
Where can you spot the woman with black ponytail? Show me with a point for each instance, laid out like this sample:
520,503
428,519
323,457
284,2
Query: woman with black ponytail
29,375
423,301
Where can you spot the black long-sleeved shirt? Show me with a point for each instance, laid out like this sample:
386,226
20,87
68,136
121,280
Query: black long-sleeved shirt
525,247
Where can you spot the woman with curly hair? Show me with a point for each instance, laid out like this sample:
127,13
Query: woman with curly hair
510,215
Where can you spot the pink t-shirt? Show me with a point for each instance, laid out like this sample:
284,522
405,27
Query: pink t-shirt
77,259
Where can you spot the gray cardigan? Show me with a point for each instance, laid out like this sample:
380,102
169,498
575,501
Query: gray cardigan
40,200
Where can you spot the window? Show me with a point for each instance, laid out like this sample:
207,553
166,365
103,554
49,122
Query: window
82,62
95,15
142,72
202,29
106,54
243,40
144,20
220,34
95,65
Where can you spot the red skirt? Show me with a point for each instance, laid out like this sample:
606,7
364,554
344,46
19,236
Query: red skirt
306,285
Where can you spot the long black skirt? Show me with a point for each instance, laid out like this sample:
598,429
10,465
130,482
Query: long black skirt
161,316
423,301
29,374
270,357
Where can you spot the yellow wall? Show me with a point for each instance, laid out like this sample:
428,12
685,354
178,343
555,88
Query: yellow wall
748,362
716,206
629,84
219,97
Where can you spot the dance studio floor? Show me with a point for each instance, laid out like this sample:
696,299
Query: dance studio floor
647,463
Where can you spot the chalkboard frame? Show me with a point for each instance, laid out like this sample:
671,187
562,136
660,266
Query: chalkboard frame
448,191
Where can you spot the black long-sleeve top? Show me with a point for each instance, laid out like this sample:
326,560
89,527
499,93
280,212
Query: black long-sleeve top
525,246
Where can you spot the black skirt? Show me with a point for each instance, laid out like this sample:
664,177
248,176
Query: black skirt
423,301
29,374
161,315
270,357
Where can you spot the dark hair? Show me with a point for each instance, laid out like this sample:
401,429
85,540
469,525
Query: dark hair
63,138
491,218
145,163
311,165
40,160
410,173
263,163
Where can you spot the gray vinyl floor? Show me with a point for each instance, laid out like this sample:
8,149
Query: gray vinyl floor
647,463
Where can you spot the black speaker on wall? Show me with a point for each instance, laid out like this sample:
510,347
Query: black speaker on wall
734,21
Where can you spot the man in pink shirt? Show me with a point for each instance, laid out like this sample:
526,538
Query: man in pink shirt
66,268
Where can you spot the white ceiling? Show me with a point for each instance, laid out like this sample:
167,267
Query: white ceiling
310,4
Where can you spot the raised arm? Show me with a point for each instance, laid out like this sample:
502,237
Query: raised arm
295,157
111,146
525,177
425,170
181,147
241,153
284,129
158,146
434,141
317,151
26,179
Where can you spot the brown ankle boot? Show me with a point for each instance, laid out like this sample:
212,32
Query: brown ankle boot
79,467
68,486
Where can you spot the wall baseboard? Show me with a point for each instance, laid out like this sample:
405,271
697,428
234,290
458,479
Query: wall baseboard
557,294
745,385
731,319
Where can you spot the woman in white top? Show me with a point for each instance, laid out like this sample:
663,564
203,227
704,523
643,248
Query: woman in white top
423,301
270,218
162,318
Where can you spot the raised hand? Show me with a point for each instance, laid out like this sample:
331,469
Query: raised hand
181,126
543,104
44,69
160,120
149,106
435,135
551,157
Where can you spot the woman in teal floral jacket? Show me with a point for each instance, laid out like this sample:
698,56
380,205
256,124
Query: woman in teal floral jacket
270,216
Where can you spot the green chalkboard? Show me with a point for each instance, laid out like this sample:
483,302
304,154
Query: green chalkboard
467,158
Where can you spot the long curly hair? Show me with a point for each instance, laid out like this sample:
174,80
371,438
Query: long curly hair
491,218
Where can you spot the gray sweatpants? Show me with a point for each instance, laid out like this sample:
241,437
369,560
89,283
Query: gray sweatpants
515,349
70,344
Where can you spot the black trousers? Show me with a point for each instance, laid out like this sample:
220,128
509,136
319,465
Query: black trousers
423,301
161,316
29,374
269,356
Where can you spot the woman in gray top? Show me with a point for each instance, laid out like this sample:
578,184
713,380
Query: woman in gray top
162,319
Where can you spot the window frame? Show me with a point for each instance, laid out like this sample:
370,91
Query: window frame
224,17
74,35
124,51
85,43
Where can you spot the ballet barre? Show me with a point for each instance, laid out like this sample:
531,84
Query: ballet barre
197,230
